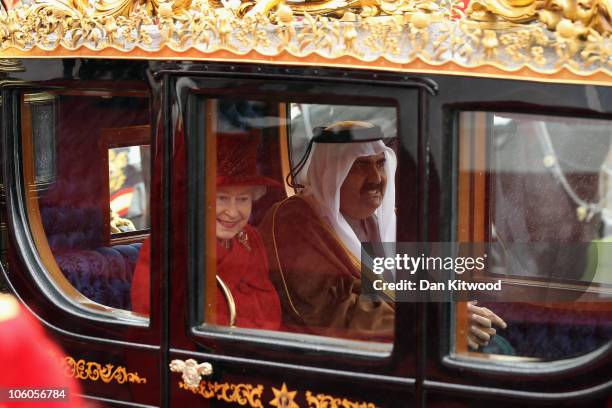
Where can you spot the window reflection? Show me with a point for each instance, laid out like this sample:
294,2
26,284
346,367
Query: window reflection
548,179
542,180
247,298
288,259
128,188
70,218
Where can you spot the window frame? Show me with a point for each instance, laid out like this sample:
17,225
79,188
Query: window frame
408,99
207,103
480,363
484,225
26,223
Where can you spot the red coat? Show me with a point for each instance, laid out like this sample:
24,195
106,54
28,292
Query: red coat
29,359
243,268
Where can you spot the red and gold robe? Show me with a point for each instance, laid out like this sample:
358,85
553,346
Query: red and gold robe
317,278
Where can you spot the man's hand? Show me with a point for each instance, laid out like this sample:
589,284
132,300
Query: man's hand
482,321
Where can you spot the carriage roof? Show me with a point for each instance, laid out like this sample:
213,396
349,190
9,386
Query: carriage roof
542,40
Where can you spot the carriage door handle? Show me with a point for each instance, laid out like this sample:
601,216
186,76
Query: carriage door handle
191,370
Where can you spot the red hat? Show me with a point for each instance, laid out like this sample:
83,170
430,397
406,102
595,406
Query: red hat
237,160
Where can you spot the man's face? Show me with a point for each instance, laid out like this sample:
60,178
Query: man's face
364,187
233,210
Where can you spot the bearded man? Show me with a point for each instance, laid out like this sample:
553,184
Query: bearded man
313,239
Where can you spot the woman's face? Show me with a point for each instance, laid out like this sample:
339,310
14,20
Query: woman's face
234,205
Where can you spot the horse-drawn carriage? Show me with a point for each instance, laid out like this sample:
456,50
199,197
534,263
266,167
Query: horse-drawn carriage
498,112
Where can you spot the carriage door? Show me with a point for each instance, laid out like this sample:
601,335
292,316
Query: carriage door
77,176
231,340
531,177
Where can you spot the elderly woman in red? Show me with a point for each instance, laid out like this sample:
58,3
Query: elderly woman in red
242,265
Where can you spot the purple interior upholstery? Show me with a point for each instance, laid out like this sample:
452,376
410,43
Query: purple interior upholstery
75,209
72,228
550,333
104,275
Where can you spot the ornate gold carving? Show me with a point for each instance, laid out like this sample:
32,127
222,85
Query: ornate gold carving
398,31
191,370
517,11
328,401
569,17
116,8
242,394
284,398
89,370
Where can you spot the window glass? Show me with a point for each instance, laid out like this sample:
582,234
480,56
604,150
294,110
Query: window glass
288,230
538,187
129,188
73,170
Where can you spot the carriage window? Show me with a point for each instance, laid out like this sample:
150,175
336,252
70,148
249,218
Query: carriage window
73,169
283,233
539,188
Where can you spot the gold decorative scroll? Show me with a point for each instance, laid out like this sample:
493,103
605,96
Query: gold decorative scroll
509,35
114,8
89,370
328,401
582,15
242,394
571,18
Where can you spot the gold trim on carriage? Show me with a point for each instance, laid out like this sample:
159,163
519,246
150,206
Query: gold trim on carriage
543,40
